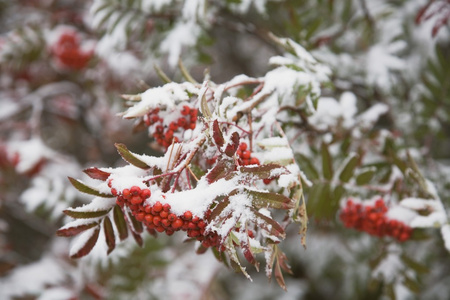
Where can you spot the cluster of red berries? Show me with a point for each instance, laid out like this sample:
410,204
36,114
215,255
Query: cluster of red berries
245,155
159,217
69,53
373,220
163,132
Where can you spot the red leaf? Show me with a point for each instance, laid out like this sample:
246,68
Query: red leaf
264,171
96,173
233,145
275,228
217,135
223,168
71,231
88,245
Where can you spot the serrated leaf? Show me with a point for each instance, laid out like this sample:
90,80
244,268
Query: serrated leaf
217,135
269,199
279,275
365,177
217,210
96,173
130,157
233,145
221,170
327,163
109,234
90,243
274,228
85,214
71,231
87,189
264,171
349,168
121,224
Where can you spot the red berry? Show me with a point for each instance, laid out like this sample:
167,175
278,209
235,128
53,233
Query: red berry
164,214
149,218
159,228
254,161
177,224
146,193
157,207
156,220
114,192
166,207
243,146
165,223
246,154
126,194
140,216
186,110
136,200
135,190
187,215
171,217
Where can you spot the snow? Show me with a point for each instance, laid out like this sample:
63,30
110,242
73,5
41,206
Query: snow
184,33
80,241
445,232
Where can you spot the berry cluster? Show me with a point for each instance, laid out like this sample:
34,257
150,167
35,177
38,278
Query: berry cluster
159,217
69,53
245,155
165,131
373,220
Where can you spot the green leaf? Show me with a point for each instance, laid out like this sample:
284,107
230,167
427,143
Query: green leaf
88,245
71,231
119,220
130,157
185,73
109,234
85,214
269,199
417,267
307,166
87,189
365,176
349,168
161,74
327,163
264,171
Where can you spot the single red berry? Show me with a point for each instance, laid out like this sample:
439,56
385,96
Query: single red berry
136,200
192,126
135,190
254,161
165,223
243,146
145,193
187,215
172,217
201,224
192,225
126,194
159,229
186,110
158,207
267,180
193,233
177,224
166,207
246,154
164,214
156,220
149,218
140,216
114,192
182,122
195,219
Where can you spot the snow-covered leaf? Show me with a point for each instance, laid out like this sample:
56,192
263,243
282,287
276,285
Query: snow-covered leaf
87,189
85,243
130,157
110,236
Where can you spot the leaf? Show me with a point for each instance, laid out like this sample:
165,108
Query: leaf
109,234
87,189
264,171
138,238
90,243
71,231
85,214
96,173
217,210
307,166
365,176
269,199
161,74
204,108
349,168
185,72
327,164
274,228
119,220
233,145
223,168
130,157
217,135
137,226
417,267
